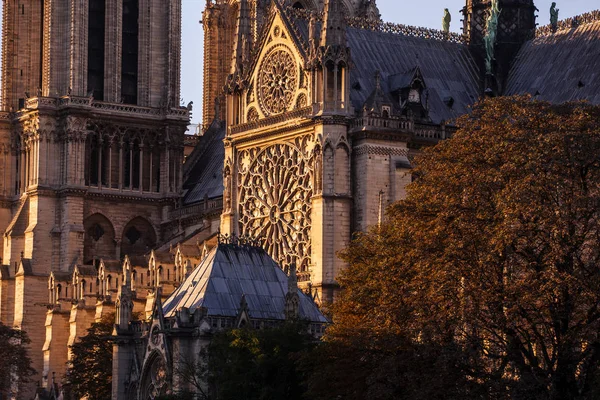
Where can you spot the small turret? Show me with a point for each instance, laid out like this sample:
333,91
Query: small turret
124,303
243,37
292,300
334,25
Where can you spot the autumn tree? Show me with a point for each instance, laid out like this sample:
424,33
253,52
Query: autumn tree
485,281
15,364
89,372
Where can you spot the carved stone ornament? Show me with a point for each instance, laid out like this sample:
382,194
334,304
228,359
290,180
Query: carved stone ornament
155,381
275,190
277,81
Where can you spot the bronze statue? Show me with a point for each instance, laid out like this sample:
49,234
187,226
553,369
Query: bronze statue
490,36
446,21
554,16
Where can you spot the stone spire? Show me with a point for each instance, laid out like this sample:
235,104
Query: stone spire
124,303
334,24
241,53
292,300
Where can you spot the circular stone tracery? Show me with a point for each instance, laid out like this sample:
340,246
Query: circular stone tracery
274,203
277,81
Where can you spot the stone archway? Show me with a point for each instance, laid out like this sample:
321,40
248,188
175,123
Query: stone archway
154,378
99,238
138,237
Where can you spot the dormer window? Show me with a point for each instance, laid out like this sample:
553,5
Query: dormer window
386,111
414,96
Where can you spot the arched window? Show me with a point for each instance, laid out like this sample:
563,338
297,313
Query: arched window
129,59
96,32
298,5
82,287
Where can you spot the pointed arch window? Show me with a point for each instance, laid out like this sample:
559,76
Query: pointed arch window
129,58
96,32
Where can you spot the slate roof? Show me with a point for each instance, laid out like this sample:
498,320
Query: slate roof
448,69
204,176
87,270
229,272
560,67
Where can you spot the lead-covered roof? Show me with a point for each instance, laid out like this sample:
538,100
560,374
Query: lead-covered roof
229,272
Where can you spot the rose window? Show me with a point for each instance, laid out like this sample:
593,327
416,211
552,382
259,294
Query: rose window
275,193
278,81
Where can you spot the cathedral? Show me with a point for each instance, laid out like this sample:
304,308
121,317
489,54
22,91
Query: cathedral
313,112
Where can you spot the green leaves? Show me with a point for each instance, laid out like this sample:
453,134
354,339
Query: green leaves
258,364
16,364
89,372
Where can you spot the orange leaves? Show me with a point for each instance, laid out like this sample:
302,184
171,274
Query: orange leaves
495,247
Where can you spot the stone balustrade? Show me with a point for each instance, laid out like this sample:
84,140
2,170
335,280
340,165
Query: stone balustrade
38,102
205,207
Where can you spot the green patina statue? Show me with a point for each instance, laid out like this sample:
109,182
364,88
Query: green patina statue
554,16
491,28
446,21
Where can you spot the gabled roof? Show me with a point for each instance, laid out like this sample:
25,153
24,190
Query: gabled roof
205,175
447,67
230,272
560,67
87,270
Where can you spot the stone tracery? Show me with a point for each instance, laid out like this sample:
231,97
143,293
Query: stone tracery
277,81
275,190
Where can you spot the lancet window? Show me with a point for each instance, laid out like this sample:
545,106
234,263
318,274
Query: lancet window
127,161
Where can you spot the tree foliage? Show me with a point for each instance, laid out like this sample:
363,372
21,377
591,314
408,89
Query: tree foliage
485,281
15,364
257,364
89,372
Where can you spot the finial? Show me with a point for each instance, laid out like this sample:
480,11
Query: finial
377,80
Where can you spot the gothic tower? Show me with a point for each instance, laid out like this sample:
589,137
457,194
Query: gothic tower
91,142
516,25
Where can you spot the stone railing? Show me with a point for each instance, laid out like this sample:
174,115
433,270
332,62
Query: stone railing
419,131
273,120
125,108
70,101
205,207
569,23
40,102
178,112
406,30
387,27
75,101
429,133
379,122
5,116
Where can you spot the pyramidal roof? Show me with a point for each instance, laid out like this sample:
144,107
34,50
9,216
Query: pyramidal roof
229,272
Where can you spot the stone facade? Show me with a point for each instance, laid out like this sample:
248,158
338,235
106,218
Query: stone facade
91,160
301,170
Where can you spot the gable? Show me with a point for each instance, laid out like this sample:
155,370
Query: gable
277,82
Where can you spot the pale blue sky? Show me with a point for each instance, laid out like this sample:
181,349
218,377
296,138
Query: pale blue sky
427,13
